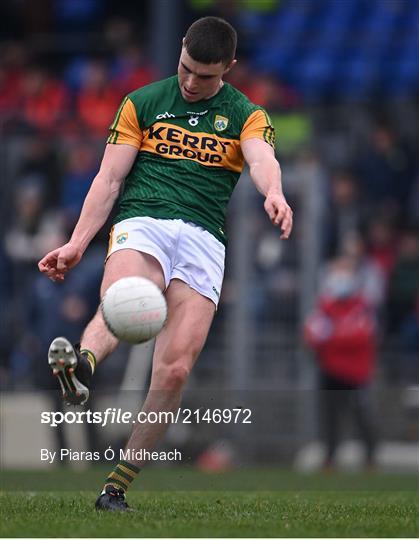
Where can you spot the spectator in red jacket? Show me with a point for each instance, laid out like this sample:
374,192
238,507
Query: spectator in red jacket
130,69
12,63
44,100
98,99
342,333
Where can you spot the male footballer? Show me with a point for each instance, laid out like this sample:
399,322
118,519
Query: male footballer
173,157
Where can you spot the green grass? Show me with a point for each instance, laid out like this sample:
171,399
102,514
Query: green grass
188,478
319,506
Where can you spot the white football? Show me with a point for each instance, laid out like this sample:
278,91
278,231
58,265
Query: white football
134,309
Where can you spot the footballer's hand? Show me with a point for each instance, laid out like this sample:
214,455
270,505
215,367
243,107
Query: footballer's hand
58,262
279,213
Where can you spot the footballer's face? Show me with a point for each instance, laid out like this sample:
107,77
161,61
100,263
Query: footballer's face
199,81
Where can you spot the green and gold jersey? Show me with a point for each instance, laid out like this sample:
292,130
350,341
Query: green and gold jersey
189,157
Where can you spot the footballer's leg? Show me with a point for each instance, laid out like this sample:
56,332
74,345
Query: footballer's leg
177,347
74,365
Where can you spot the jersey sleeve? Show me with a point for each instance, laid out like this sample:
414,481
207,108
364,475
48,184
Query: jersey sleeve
125,128
258,125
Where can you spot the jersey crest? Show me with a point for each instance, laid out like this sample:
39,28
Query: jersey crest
220,122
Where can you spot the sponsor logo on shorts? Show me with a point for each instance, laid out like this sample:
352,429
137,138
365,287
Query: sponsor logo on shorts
121,238
220,122
216,292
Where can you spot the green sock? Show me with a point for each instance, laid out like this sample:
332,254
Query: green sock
122,476
90,357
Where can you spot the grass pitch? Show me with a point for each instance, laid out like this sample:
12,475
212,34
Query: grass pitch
309,506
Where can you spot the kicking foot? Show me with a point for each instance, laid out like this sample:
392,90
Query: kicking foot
113,500
71,369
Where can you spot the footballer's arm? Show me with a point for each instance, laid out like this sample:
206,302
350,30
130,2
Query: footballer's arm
266,175
116,164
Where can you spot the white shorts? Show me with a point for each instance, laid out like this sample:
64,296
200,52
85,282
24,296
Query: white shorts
184,250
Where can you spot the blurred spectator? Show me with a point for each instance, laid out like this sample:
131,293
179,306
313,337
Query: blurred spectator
76,181
39,158
118,33
264,89
345,213
98,99
74,72
130,70
387,169
25,240
267,91
9,82
403,307
370,277
44,99
342,333
47,307
382,245
31,232
404,281
12,63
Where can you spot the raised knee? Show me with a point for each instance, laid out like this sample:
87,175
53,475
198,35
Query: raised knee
178,374
172,376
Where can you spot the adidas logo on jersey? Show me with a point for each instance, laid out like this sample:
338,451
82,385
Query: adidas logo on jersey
165,115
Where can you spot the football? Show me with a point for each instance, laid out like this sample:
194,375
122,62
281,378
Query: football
134,309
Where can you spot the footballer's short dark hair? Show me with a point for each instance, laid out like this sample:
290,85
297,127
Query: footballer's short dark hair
211,40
